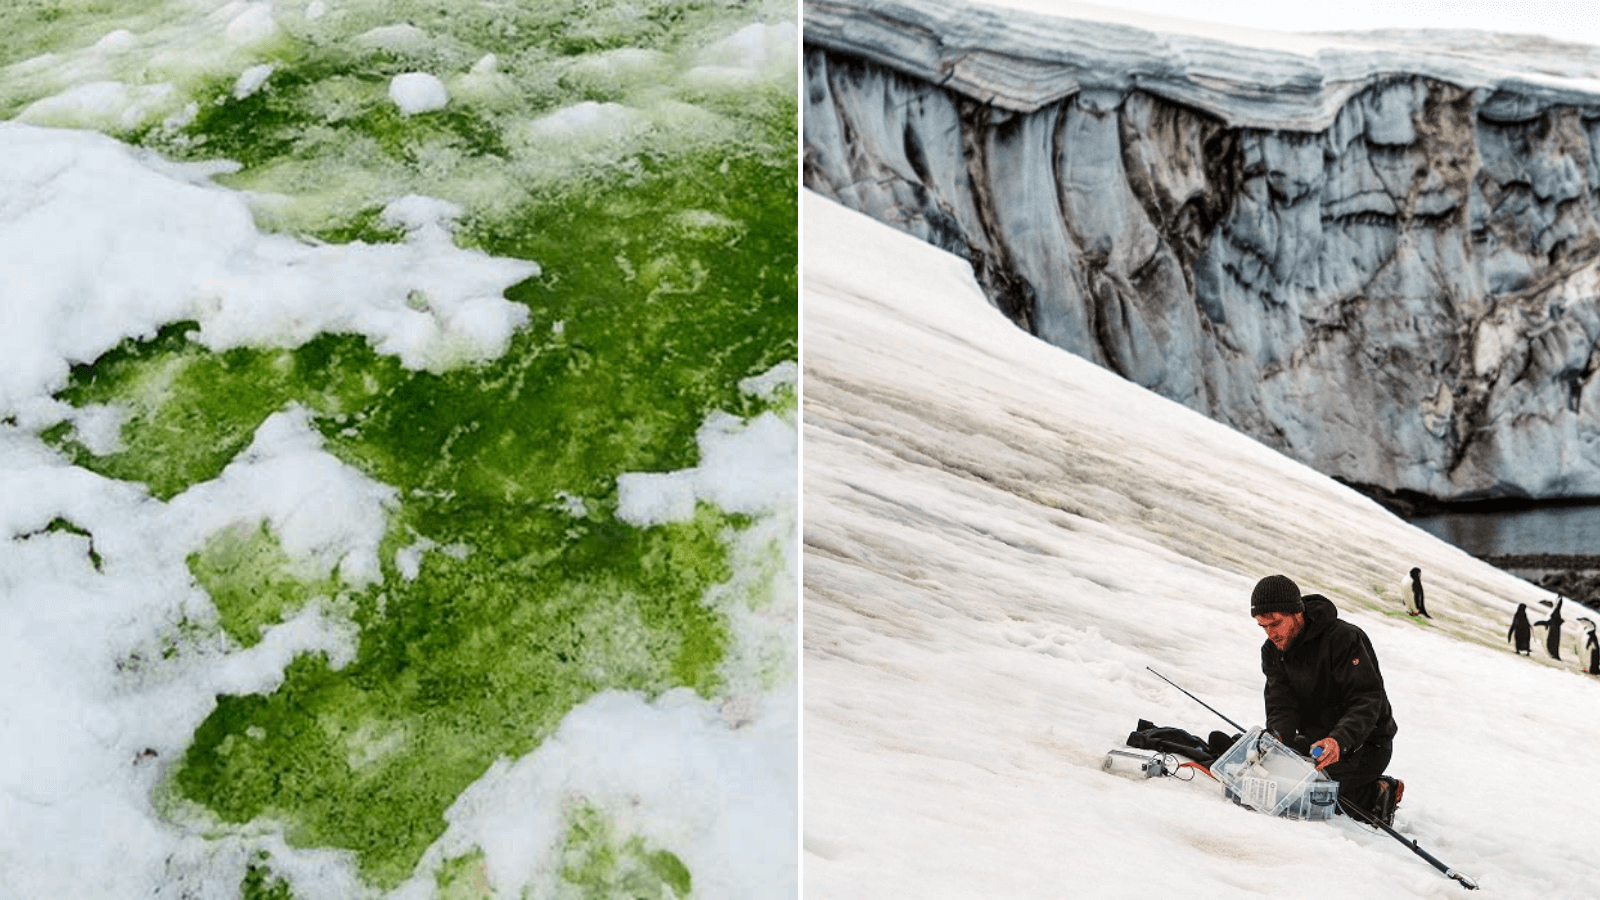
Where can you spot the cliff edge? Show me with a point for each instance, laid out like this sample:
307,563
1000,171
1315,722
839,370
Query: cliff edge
1378,253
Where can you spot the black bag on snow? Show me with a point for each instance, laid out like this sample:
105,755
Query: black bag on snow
1165,739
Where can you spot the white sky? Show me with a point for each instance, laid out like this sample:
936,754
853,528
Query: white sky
1001,536
1572,21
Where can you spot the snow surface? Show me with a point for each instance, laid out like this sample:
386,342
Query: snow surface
1000,537
735,473
747,52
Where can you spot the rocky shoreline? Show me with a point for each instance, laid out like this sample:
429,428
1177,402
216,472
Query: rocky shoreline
1545,561
1570,575
1577,577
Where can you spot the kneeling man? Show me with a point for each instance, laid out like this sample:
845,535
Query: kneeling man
1324,690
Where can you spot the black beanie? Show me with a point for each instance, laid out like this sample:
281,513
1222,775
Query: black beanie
1276,594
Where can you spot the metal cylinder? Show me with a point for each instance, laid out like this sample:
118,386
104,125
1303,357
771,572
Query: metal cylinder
1133,764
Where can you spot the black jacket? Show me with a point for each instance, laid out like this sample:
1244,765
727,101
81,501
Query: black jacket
1327,683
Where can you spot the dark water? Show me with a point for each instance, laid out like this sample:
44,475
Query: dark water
1569,530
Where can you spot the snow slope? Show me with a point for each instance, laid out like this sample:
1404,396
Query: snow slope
1000,537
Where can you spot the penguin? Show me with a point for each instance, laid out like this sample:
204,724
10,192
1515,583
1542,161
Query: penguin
1592,644
1411,592
1521,630
1552,640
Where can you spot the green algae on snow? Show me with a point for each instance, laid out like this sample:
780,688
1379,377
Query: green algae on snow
319,136
261,883
638,331
598,864
509,591
252,582
473,660
463,878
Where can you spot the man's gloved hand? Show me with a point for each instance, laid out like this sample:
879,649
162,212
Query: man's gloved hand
1325,752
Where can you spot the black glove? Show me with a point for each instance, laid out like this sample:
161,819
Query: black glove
1220,741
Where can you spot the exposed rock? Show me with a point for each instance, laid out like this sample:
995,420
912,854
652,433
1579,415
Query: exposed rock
1382,258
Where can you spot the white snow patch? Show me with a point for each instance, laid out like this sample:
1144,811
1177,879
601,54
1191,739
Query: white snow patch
572,504
99,427
400,38
767,385
120,39
324,512
1248,20
422,218
251,80
250,23
408,559
587,117
745,467
656,498
756,49
104,104
147,249
418,92
259,669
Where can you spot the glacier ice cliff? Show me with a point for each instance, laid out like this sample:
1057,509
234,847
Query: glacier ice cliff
1380,256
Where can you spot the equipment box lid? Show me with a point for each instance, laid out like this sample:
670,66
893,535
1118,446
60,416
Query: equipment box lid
1260,772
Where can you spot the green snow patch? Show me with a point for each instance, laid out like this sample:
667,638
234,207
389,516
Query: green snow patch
598,863
187,412
604,140
253,582
463,878
510,592
261,883
454,670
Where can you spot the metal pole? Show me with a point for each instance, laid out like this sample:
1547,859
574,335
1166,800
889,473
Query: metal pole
1466,881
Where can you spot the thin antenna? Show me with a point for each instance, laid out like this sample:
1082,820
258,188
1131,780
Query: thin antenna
1236,725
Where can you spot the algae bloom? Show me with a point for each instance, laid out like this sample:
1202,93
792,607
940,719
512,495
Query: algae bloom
398,448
